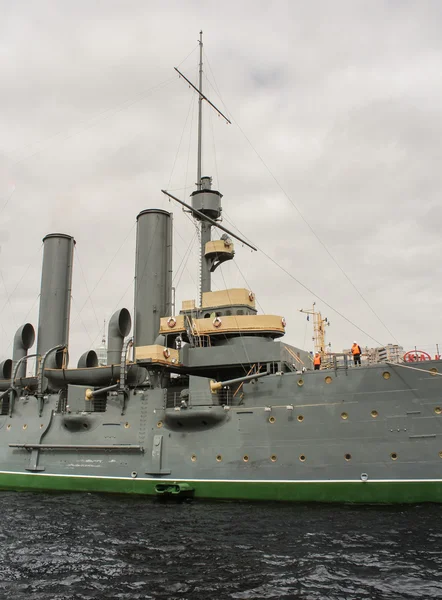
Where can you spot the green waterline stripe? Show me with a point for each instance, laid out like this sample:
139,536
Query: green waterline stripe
355,491
206,480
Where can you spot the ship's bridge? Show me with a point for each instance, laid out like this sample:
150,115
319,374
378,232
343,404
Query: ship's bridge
223,316
225,312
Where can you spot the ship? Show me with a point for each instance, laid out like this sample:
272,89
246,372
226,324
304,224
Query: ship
208,402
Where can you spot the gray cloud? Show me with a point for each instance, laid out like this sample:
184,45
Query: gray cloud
340,102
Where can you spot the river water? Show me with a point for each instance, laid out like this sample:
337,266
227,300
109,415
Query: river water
77,546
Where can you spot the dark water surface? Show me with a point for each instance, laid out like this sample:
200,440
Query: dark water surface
69,547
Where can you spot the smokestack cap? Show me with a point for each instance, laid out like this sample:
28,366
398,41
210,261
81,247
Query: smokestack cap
58,235
153,211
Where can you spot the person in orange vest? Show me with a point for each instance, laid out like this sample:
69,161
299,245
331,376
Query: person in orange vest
317,361
356,351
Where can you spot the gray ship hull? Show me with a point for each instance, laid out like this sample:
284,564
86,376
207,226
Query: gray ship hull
370,434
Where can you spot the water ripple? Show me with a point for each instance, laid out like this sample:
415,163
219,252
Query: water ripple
83,546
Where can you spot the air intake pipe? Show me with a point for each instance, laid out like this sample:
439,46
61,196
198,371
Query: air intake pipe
5,374
119,327
88,360
6,369
55,295
23,340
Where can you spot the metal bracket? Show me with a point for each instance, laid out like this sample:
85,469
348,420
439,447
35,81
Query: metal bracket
157,456
123,400
33,461
35,450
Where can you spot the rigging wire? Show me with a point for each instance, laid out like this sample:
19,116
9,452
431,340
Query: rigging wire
318,297
241,335
91,123
216,89
131,283
185,258
77,256
81,319
105,271
15,289
224,213
25,319
8,298
316,236
184,60
189,112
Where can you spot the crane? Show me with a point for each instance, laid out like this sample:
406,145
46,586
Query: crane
319,325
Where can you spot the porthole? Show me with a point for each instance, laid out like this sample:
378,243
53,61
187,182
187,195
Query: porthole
434,371
300,382
126,425
374,414
302,458
273,458
393,456
300,418
8,426
85,426
328,379
344,416
25,426
347,457
219,458
41,425
386,375
160,424
245,458
440,454
272,419
193,458
438,410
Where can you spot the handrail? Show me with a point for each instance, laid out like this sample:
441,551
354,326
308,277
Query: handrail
413,368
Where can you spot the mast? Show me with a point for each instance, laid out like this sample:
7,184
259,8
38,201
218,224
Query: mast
206,203
200,114
205,227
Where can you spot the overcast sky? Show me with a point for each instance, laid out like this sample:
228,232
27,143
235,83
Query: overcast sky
332,164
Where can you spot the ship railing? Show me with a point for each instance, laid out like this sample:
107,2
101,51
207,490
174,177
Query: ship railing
175,398
292,361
